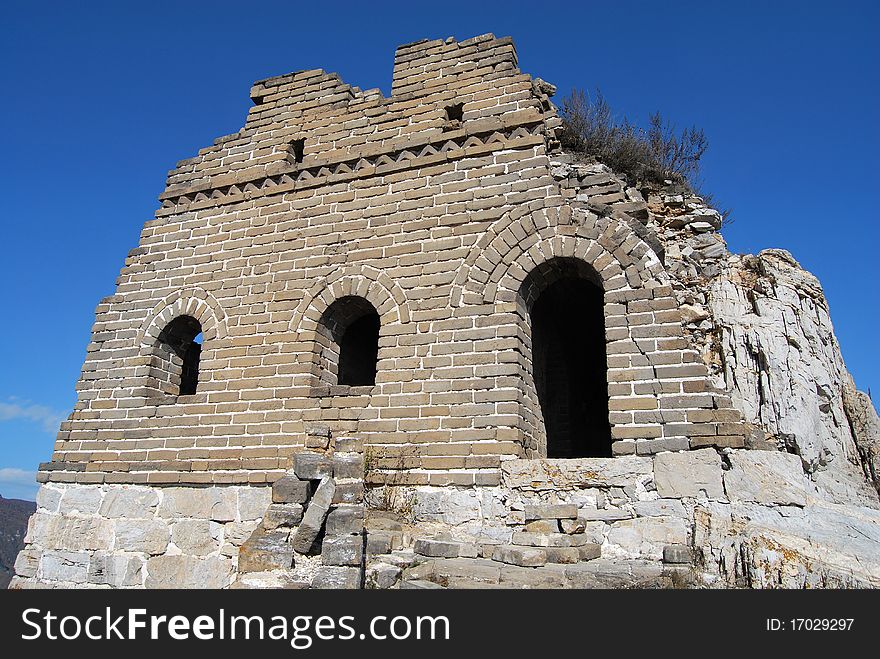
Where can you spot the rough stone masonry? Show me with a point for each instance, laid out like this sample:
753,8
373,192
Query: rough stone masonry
407,342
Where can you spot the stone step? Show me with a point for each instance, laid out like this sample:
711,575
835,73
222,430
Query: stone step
418,584
519,555
548,539
551,511
437,548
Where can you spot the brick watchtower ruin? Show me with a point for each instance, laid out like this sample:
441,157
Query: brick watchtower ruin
402,293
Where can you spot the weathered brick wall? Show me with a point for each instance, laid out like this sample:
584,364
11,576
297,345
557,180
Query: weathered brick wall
436,222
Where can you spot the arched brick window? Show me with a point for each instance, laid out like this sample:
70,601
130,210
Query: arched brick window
564,301
174,363
349,337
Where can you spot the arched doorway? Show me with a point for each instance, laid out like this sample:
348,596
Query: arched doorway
566,309
350,328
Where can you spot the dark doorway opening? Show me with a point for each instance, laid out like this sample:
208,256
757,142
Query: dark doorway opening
359,351
569,365
352,323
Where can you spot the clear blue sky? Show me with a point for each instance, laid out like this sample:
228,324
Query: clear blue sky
101,99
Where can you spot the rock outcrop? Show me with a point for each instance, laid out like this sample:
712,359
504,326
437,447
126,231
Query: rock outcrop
781,362
14,515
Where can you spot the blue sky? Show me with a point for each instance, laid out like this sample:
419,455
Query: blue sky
101,99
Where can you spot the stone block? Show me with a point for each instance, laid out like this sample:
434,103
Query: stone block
69,566
612,573
660,508
678,554
446,571
590,551
27,562
215,503
312,466
603,514
349,445
198,537
574,474
436,548
84,499
468,550
264,551
382,575
383,542
235,533
645,537
522,556
130,501
318,430
513,576
349,492
766,477
253,502
548,539
551,511
345,520
419,584
348,465
689,474
313,519
337,577
115,569
290,489
317,442
70,533
652,446
143,535
545,525
344,550
188,572
572,526
48,498
282,514
562,554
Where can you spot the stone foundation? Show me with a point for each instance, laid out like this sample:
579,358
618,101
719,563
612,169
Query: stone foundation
130,536
704,518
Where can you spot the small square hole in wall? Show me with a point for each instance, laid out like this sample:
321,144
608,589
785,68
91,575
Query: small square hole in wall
297,147
454,116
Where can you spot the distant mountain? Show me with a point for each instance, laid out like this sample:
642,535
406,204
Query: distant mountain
14,515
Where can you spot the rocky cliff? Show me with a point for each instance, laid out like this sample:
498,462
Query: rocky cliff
14,516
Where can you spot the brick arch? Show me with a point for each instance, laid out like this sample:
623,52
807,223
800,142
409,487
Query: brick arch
520,241
195,302
386,296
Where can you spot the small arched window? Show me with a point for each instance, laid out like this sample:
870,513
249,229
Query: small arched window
175,362
349,330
